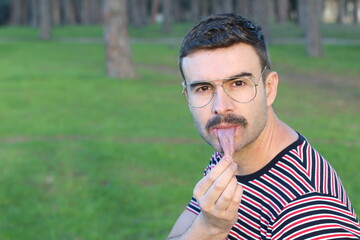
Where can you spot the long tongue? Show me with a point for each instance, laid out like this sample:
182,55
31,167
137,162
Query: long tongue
226,138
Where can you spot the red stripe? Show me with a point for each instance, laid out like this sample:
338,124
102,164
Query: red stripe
283,189
299,167
317,173
324,226
273,205
311,218
307,200
332,182
191,210
309,160
287,180
325,179
333,235
261,185
247,231
299,190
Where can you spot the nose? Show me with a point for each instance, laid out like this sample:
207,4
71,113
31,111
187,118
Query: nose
222,103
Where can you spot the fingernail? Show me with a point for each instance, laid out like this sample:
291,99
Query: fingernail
227,158
234,166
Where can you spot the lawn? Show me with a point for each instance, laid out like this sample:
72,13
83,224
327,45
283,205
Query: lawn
84,156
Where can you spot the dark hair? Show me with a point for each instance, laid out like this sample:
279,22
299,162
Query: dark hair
221,31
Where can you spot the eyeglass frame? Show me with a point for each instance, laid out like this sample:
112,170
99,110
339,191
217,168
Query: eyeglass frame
222,85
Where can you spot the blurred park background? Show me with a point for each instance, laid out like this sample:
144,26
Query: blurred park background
96,138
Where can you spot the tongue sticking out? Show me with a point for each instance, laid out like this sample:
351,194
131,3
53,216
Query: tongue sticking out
226,138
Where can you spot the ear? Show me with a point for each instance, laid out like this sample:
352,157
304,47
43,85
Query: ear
271,84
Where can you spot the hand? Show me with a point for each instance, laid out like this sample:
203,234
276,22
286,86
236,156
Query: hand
219,196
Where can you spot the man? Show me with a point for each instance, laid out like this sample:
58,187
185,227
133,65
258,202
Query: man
265,181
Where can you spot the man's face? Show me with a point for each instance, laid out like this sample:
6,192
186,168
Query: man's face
223,63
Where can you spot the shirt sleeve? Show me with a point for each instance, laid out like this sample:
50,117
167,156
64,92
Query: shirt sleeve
315,216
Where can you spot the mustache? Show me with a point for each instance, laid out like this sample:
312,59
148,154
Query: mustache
230,118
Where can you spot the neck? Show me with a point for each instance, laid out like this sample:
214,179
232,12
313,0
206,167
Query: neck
273,139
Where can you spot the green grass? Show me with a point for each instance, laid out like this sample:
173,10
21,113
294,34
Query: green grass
84,156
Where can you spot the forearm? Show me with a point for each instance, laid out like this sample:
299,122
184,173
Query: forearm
198,230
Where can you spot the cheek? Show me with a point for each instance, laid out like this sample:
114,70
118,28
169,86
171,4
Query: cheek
257,110
200,116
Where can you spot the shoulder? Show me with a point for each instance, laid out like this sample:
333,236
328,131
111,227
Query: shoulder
316,214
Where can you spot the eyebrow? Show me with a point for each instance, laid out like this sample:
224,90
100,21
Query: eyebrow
240,75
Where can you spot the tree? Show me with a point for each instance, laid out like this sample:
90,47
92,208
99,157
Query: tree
245,8
138,12
56,13
44,19
154,10
167,12
312,27
69,12
85,12
341,9
261,11
204,9
228,6
18,14
34,16
282,10
356,11
95,7
118,55
225,6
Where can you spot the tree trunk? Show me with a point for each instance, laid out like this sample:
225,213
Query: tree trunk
261,16
56,12
301,13
138,12
341,9
155,4
85,12
272,9
34,17
44,19
224,6
167,12
217,6
312,28
245,8
204,8
69,12
282,7
118,54
96,17
18,13
228,6
356,11
179,13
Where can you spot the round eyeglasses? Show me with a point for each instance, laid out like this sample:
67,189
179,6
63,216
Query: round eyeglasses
242,89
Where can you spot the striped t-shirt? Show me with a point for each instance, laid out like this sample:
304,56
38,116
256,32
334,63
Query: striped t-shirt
298,195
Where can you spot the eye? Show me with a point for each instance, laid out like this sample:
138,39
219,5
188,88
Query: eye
238,83
202,89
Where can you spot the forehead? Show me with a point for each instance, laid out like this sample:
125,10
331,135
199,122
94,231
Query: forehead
220,63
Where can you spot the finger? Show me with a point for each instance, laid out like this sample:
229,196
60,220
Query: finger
217,188
205,183
235,202
227,195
